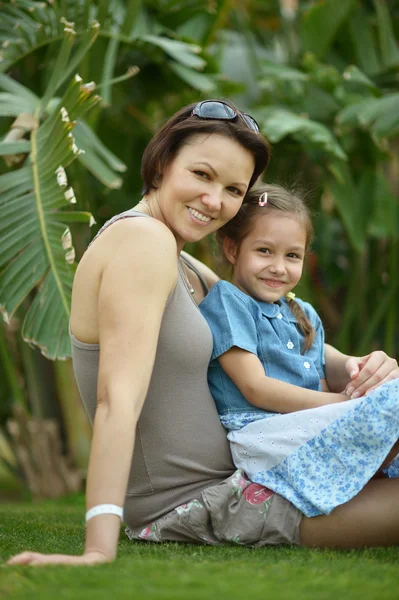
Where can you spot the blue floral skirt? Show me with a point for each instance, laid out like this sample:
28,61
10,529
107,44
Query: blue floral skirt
320,458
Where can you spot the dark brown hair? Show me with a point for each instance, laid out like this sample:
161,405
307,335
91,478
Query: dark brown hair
167,142
278,199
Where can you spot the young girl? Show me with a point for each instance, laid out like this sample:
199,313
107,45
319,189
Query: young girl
287,431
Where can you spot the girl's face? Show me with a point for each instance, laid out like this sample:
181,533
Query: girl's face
203,187
269,260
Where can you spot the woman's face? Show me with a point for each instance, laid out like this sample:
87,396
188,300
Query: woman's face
203,187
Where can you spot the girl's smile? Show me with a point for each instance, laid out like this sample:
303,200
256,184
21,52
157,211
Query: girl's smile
268,263
275,283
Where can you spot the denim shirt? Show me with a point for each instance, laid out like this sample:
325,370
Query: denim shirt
268,330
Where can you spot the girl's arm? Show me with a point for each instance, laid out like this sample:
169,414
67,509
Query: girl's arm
358,375
138,275
247,372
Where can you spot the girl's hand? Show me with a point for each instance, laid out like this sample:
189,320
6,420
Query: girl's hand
369,372
36,559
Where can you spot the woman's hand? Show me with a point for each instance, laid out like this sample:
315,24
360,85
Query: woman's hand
36,559
369,372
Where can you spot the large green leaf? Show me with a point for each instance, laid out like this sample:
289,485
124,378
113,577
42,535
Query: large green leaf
36,247
97,158
384,220
277,123
30,25
354,77
280,72
380,115
198,81
24,29
354,201
363,40
388,44
185,54
321,24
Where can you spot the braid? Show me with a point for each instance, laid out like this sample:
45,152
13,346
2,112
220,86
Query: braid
304,324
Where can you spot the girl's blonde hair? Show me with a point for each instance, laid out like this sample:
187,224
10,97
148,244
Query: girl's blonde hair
278,199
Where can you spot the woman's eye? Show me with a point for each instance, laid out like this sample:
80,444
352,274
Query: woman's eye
202,174
235,191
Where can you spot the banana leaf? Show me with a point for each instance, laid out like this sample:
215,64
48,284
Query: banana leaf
277,123
31,25
379,115
321,24
36,251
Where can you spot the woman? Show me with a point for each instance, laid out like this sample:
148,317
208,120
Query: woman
135,297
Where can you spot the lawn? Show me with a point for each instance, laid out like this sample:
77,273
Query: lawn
178,571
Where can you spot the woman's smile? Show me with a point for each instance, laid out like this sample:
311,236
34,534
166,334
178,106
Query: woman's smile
203,187
199,216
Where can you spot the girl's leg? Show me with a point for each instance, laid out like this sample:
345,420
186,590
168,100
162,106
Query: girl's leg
369,519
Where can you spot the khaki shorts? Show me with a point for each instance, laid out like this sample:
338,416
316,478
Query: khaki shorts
235,511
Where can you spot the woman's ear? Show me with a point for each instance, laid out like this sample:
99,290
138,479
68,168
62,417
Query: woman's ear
230,250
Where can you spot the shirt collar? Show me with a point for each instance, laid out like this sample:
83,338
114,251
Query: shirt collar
271,311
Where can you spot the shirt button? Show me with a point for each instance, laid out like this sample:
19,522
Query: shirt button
306,365
290,345
279,316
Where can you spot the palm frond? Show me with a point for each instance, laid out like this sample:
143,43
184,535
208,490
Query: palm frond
27,25
36,249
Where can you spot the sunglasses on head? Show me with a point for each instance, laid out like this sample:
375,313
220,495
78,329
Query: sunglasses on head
216,109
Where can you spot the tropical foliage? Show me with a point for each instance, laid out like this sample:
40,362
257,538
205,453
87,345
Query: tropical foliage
320,77
329,104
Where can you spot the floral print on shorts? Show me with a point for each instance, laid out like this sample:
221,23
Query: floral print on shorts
235,511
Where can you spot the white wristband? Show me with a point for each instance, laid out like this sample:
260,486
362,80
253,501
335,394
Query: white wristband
104,509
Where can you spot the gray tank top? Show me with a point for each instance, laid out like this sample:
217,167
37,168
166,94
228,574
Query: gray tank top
181,447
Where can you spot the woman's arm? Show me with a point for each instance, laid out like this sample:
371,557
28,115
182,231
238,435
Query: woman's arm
138,275
358,375
247,372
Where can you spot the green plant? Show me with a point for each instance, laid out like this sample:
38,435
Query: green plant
325,94
320,76
53,156
43,238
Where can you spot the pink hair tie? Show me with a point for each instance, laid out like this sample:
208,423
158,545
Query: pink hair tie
263,199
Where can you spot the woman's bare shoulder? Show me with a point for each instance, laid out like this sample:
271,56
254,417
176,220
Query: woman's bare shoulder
128,240
132,232
125,255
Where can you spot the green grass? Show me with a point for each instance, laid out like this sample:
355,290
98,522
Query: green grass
179,571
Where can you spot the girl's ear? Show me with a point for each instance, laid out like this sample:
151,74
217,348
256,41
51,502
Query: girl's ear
230,250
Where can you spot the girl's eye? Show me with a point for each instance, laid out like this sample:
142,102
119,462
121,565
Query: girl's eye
293,255
264,250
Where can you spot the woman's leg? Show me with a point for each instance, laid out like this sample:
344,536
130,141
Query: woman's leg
369,519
